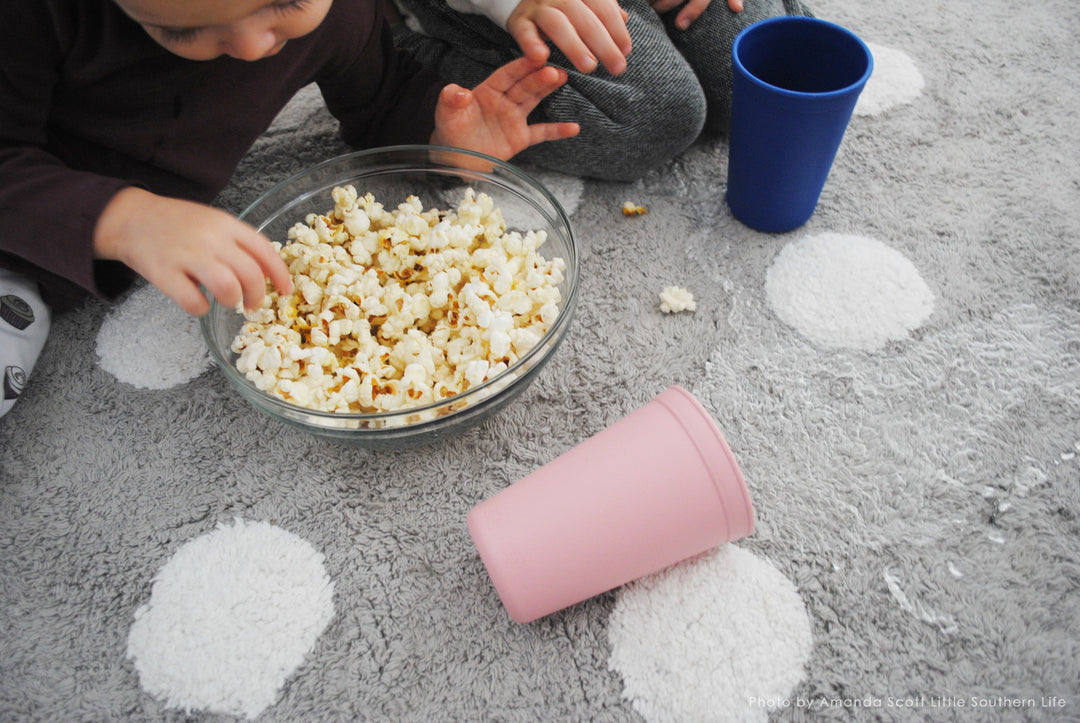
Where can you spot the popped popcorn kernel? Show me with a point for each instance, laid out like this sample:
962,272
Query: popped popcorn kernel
398,308
630,208
674,299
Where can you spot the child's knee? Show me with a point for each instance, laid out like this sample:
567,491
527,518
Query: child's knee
647,130
652,136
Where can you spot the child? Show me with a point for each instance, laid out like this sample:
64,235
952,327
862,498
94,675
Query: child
636,110
121,119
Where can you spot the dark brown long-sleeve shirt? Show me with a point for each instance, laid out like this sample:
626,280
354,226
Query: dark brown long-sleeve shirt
89,104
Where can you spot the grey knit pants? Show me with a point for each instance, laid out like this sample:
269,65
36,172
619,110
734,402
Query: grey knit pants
677,83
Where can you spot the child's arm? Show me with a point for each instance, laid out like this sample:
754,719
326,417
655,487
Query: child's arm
178,245
493,117
587,31
691,11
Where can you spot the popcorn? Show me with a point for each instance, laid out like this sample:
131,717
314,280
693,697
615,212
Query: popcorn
393,309
674,299
632,209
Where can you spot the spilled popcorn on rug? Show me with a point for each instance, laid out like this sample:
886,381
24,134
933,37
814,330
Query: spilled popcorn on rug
231,616
674,299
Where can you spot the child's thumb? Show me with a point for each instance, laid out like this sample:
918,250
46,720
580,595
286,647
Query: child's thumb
454,96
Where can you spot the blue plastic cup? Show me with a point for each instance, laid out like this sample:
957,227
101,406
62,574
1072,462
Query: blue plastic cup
795,86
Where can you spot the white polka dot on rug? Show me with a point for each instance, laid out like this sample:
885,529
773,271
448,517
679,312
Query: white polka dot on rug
150,342
567,190
896,80
713,638
231,616
847,291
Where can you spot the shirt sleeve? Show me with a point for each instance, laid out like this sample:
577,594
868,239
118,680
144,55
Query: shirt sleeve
48,211
382,96
498,11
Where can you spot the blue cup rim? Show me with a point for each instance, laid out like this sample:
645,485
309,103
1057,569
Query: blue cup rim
802,20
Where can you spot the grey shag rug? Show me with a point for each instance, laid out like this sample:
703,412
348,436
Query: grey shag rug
899,379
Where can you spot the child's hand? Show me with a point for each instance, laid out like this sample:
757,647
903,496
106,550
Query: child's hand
691,11
493,117
587,31
178,245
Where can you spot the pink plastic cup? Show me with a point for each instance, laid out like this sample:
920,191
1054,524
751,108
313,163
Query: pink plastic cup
656,487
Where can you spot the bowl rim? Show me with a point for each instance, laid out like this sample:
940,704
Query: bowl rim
368,421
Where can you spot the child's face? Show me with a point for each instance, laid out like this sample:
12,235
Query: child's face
243,29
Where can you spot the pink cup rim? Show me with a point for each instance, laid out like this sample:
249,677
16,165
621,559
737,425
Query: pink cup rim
735,498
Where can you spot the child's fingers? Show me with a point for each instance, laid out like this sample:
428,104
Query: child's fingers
237,272
613,17
662,6
541,132
219,280
690,12
588,33
529,40
269,262
567,34
252,281
452,97
502,80
184,292
182,287
605,37
528,91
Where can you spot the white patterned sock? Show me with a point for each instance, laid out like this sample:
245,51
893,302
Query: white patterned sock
24,326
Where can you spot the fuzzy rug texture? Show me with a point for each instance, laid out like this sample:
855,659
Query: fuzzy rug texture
899,380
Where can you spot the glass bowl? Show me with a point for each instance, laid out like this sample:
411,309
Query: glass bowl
439,177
